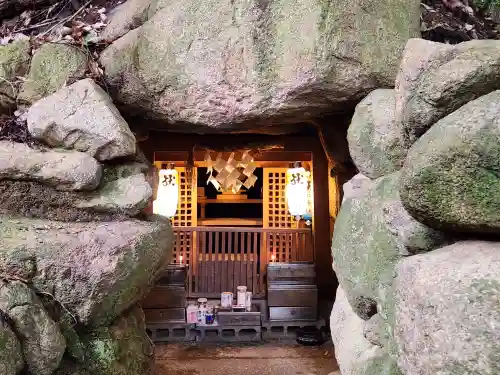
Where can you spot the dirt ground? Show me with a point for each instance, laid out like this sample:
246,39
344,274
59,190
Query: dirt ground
258,359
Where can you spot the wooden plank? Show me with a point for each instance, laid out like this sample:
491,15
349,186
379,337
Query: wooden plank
227,253
211,280
228,201
221,221
190,263
220,254
264,261
296,237
184,245
240,275
280,158
248,279
244,230
204,263
194,256
254,263
230,273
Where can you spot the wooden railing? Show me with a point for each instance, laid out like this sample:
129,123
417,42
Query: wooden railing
222,258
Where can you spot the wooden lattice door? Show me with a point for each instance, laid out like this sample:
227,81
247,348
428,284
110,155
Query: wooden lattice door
186,215
276,215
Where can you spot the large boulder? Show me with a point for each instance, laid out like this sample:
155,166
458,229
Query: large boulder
356,186
450,177
96,270
372,232
416,57
239,65
11,359
14,62
375,138
123,348
447,314
126,17
41,339
451,78
63,170
82,117
122,193
354,353
52,66
128,195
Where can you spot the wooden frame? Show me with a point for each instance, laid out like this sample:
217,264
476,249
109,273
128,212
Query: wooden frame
288,147
236,251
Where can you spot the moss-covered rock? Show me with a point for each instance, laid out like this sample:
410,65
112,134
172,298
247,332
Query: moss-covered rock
124,192
247,64
354,353
11,359
14,62
41,339
123,348
375,138
372,232
451,77
450,178
96,270
52,66
447,310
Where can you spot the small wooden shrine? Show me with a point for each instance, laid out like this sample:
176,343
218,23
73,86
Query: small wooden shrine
233,222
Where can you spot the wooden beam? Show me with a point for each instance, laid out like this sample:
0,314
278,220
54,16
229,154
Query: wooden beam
162,141
321,224
266,156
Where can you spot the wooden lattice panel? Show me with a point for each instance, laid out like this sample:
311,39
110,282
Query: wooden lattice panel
186,215
276,214
186,210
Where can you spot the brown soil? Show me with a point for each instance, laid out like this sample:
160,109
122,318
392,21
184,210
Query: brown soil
278,358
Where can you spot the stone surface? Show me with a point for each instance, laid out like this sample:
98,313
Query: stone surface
357,186
82,117
355,354
374,332
447,310
240,65
450,177
375,138
372,232
14,62
52,66
120,195
416,57
60,169
11,359
125,17
123,348
97,270
450,79
42,342
127,195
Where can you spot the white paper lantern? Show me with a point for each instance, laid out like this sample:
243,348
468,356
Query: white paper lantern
168,193
297,191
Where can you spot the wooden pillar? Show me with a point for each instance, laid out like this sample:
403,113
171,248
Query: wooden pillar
321,225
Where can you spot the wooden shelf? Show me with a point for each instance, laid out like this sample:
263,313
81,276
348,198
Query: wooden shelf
214,222
233,201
